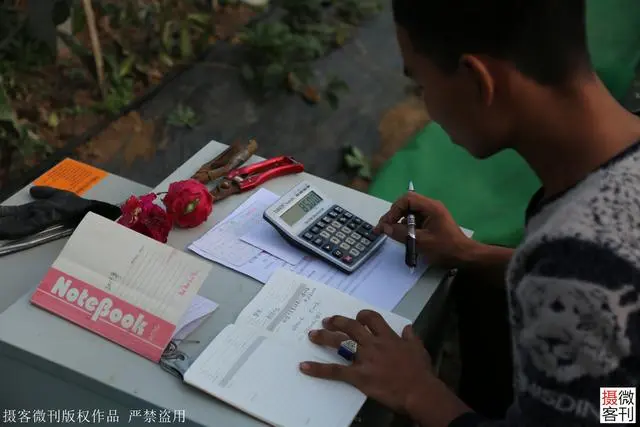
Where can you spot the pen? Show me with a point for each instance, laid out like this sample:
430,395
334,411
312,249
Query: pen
411,255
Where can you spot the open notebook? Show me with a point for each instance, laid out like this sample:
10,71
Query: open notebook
121,285
253,364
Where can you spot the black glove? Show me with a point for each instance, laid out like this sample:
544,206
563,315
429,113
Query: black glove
51,207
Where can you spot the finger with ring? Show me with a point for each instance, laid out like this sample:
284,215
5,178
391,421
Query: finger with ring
356,330
348,349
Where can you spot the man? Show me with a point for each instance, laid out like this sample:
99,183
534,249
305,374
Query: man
501,74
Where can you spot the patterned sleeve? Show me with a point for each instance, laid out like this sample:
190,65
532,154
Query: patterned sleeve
575,323
575,313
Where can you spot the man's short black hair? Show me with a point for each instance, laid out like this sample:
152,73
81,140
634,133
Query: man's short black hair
545,39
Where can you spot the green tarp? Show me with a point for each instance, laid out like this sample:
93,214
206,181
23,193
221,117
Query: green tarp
490,196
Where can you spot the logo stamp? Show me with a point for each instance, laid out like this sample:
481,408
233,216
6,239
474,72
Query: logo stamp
617,405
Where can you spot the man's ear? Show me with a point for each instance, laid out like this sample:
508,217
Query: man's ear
480,76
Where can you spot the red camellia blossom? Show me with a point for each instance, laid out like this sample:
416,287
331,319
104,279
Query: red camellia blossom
189,203
145,217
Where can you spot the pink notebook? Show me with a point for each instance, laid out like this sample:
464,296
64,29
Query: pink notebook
121,285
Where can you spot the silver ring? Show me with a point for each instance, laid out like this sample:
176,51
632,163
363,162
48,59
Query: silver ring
348,349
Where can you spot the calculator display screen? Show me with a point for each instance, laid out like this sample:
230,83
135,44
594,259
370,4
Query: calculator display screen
297,211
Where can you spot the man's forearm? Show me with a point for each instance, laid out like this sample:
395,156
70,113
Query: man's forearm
488,261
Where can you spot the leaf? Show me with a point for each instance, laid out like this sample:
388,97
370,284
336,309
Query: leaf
200,18
351,161
166,59
186,47
365,172
356,160
112,64
53,121
358,154
167,36
126,66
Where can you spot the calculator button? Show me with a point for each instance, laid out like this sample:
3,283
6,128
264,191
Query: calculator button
321,224
330,229
346,230
365,241
338,209
356,236
333,214
350,241
336,224
340,235
343,219
327,247
325,235
327,220
345,246
362,230
315,230
367,226
348,215
319,241
354,253
347,259
357,221
335,241
308,236
338,253
371,236
359,246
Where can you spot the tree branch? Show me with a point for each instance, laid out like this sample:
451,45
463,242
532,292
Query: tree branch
95,44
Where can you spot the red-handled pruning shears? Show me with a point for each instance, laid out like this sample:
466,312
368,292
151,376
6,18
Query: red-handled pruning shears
249,177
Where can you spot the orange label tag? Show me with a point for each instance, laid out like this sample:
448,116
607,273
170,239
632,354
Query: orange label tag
72,175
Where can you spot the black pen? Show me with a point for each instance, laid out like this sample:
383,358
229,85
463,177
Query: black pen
411,254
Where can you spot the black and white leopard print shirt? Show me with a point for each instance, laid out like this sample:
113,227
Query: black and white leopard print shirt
574,301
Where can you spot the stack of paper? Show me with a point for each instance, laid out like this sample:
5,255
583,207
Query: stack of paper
245,242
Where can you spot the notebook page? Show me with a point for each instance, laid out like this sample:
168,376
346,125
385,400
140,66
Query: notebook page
111,280
259,375
146,273
290,305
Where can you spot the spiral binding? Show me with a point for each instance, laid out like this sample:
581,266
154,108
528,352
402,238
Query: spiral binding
170,355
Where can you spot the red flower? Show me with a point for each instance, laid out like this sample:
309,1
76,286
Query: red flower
189,203
145,217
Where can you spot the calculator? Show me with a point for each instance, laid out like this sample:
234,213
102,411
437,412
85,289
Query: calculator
311,221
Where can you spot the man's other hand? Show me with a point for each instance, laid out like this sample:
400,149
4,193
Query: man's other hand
388,368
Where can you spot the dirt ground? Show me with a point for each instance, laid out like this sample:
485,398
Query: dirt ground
282,124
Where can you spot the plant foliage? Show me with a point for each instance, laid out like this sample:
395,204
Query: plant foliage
280,53
52,81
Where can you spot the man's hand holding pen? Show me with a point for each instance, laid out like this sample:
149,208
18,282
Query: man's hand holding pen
437,236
